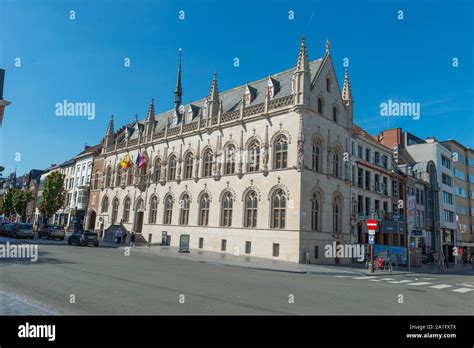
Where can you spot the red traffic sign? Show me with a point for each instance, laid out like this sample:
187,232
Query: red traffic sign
371,224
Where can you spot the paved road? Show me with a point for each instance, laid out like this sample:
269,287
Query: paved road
106,281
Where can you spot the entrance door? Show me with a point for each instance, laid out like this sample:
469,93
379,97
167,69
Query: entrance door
91,222
139,225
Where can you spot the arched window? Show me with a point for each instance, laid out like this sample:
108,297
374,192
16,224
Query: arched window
336,164
118,173
172,168
315,212
121,176
253,157
227,205
167,217
188,166
126,210
153,210
184,216
251,203
278,209
96,179
131,173
207,165
140,205
336,216
316,156
204,205
105,205
229,167
334,114
280,153
115,206
157,170
108,177
320,105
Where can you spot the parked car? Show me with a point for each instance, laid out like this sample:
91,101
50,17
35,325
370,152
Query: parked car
83,238
22,230
52,232
6,229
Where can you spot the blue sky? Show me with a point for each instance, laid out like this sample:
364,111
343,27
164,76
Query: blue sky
83,61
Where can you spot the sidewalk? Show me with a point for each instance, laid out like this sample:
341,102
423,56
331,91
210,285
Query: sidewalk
11,304
252,262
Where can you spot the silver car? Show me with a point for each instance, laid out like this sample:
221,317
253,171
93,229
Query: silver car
24,231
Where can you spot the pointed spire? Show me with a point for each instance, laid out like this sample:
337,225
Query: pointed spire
328,46
302,64
178,92
151,111
136,117
214,93
346,88
110,127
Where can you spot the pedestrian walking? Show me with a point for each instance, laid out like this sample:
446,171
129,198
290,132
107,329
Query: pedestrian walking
118,237
132,240
124,237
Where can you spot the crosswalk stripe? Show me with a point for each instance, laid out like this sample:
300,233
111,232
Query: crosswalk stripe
375,280
420,283
401,281
441,286
365,277
387,278
462,290
340,276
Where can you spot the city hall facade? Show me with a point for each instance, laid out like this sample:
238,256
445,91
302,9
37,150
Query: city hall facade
257,170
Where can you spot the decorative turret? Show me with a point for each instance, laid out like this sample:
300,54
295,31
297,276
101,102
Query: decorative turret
347,95
301,77
178,92
213,100
109,133
150,119
346,89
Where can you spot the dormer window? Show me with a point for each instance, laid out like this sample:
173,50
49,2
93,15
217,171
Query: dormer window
270,88
249,94
190,114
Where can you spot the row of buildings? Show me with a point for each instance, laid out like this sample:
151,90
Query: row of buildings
275,168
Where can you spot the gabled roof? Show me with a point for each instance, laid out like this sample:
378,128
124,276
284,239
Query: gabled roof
231,99
89,150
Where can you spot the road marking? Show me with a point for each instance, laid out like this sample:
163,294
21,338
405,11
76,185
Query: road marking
375,280
420,283
441,286
339,276
387,278
365,277
462,290
401,281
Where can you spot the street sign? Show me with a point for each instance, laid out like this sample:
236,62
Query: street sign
371,240
371,232
371,224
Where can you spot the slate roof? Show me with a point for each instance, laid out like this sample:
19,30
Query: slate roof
231,99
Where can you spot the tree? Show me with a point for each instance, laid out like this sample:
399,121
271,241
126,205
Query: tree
8,203
53,195
20,200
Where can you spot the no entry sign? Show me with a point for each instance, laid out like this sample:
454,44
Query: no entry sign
371,224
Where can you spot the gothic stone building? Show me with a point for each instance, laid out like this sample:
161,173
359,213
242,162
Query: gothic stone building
257,170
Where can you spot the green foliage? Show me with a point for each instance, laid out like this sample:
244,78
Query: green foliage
53,195
20,200
8,203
